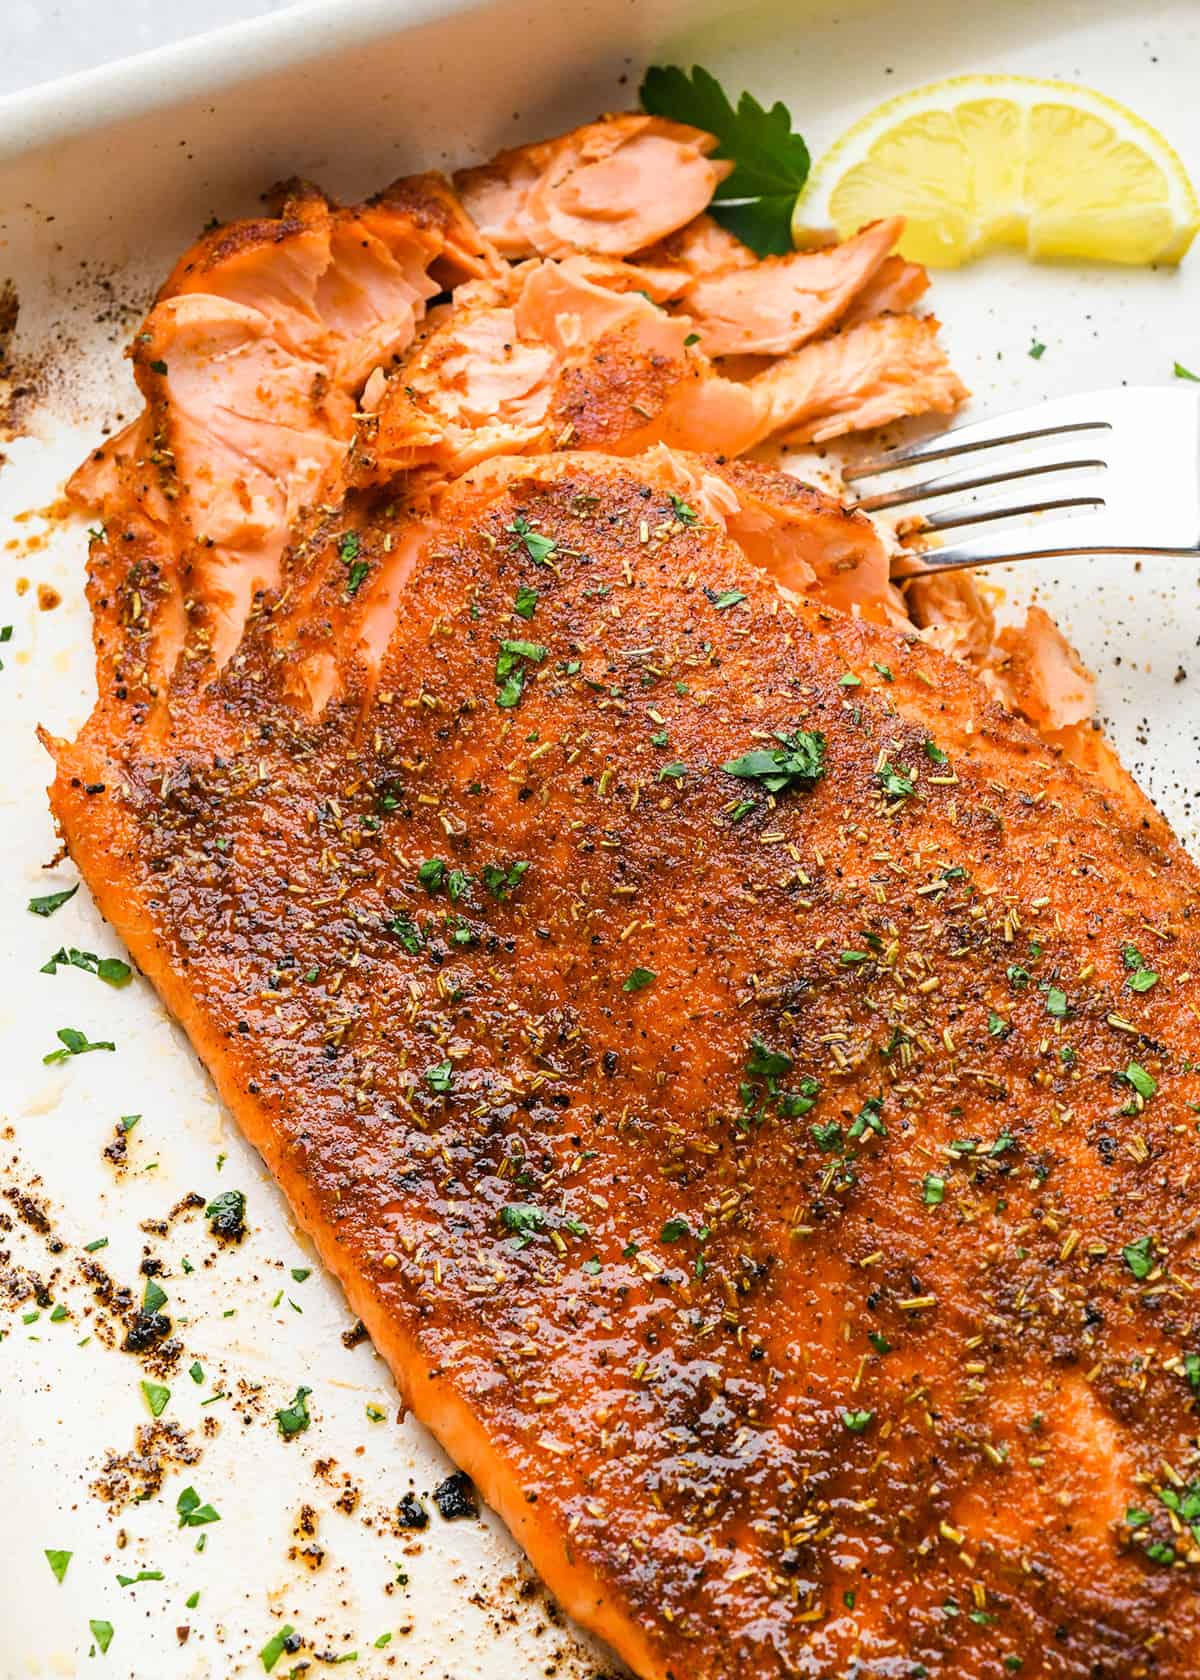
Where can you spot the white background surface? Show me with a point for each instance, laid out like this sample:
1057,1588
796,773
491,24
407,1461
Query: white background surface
124,205
41,39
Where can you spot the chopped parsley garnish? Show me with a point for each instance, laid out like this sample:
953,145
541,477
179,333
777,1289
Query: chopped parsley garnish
1143,980
511,667
885,671
763,1063
934,753
868,1119
142,1575
850,679
798,761
1139,1257
672,772
440,1077
95,1245
348,547
827,1136
154,1297
156,1397
192,1514
1142,1082
726,598
674,1230
276,1646
1056,1003
997,1025
1183,373
895,783
686,515
196,1371
58,1562
357,573
1037,350
540,549
638,979
52,901
109,969
857,1422
102,1632
933,1190
294,1419
502,880
431,874
1018,977
406,931
526,601
522,1219
75,1043
879,1341
771,162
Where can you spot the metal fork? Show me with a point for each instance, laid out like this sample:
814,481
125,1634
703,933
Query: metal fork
1129,457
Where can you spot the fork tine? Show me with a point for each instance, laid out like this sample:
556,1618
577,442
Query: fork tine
985,516
994,551
930,489
967,440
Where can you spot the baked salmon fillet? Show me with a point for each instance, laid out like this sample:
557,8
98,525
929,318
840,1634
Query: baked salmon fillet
742,1075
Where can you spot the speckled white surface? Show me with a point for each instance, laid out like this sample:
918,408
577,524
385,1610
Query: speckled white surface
81,251
43,39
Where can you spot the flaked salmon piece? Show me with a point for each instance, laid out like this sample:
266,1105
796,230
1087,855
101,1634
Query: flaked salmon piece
1041,676
746,1212
250,362
610,188
429,204
549,361
953,615
778,304
701,248
658,282
895,288
870,375
812,545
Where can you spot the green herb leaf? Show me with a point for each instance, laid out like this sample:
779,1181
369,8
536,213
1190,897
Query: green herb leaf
1143,981
154,1297
798,762
997,1025
526,601
1056,1003
355,576
895,783
933,1191
639,978
440,1077
868,1119
1139,1257
771,163
539,549
102,1632
686,515
510,671
348,547
58,1562
1182,373
156,1397
857,1422
827,1137
275,1646
885,671
726,598
522,1219
1037,350
431,874
674,1230
934,753
75,1043
502,880
1142,1082
294,1419
192,1514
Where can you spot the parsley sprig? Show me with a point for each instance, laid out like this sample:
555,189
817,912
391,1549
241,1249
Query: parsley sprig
771,161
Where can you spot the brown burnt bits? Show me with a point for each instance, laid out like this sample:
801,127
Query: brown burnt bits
131,1477
411,1514
455,1497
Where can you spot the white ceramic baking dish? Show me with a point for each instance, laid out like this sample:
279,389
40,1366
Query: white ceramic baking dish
103,179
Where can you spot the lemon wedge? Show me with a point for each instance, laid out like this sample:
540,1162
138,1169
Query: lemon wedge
980,162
